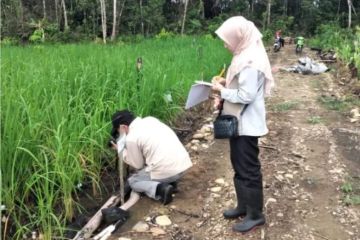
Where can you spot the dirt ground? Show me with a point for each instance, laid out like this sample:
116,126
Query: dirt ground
309,153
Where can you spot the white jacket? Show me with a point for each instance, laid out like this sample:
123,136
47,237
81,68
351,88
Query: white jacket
247,88
153,145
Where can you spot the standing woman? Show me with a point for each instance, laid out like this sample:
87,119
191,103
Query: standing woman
248,79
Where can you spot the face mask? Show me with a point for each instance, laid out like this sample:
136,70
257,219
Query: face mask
121,142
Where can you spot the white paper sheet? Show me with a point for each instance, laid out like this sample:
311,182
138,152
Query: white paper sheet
204,83
198,93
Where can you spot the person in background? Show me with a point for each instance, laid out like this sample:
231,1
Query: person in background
154,150
278,36
242,92
299,42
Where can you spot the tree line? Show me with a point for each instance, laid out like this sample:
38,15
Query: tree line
76,20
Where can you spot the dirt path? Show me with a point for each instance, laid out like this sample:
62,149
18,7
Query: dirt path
307,156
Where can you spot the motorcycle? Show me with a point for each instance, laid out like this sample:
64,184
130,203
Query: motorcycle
299,45
277,45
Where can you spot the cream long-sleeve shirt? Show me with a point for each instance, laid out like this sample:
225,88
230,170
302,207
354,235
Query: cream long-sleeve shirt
153,145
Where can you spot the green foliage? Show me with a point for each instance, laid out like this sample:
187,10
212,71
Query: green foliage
37,36
314,120
285,106
194,26
45,154
8,41
149,17
356,56
347,187
268,36
212,28
283,23
163,34
344,41
333,103
342,105
351,191
209,36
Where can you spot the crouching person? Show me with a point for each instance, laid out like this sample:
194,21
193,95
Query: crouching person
154,150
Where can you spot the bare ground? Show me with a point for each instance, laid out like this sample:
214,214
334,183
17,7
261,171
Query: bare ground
309,153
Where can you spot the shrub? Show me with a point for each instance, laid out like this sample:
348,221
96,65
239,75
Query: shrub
8,41
37,36
163,34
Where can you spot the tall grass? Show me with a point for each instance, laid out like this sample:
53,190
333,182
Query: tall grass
56,103
346,42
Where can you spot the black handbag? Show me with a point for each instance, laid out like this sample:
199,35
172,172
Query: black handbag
226,126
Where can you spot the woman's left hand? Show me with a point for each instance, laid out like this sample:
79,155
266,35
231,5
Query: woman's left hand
217,86
113,145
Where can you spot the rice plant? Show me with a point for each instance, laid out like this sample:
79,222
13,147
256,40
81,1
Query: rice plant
56,103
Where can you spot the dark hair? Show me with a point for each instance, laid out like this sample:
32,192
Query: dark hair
124,117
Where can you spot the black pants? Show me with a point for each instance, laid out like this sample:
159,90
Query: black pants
282,41
244,154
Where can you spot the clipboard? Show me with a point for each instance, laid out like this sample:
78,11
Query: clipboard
199,92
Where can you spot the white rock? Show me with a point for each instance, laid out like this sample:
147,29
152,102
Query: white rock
288,175
229,203
262,233
336,170
215,195
280,214
195,148
199,224
206,215
205,146
163,220
209,137
124,238
355,112
198,136
156,231
215,189
195,141
220,181
207,134
270,200
307,168
141,227
205,129
209,119
279,177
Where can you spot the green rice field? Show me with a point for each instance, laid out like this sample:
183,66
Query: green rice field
56,105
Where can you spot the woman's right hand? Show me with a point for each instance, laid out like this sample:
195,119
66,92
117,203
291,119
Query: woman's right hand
218,79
